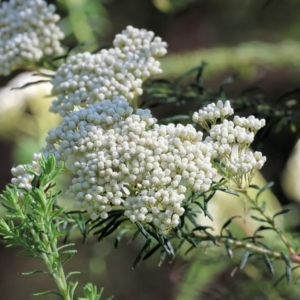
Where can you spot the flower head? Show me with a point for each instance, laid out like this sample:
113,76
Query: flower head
28,32
121,158
89,78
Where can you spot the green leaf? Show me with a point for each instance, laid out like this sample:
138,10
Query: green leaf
72,273
228,249
228,222
261,228
34,272
162,257
152,251
142,253
288,269
29,84
71,287
258,219
244,259
192,241
268,263
266,187
119,236
278,280
70,254
284,211
254,186
263,206
48,293
142,230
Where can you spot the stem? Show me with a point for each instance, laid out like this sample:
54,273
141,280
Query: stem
251,247
271,222
53,260
50,253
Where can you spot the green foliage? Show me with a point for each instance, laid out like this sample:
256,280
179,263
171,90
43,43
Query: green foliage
35,222
188,88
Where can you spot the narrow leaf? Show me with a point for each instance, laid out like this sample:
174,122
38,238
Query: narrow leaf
244,259
119,236
261,228
228,249
288,270
228,222
258,219
47,293
268,263
142,230
34,272
266,187
284,211
29,84
143,253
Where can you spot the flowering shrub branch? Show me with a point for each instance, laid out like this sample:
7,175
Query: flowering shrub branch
130,173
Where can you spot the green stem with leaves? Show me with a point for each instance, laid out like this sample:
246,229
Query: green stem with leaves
271,221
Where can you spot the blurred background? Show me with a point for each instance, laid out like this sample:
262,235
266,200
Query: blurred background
259,42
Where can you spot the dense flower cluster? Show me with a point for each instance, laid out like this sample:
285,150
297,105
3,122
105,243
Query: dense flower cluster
211,113
243,167
89,78
122,158
251,123
22,178
28,32
226,136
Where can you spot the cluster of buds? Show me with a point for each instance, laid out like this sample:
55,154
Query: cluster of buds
28,33
120,71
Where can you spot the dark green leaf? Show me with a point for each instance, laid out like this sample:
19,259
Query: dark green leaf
261,228
142,253
254,186
284,211
258,219
244,259
228,249
29,84
142,230
189,250
268,263
119,236
266,187
70,254
278,280
288,270
228,222
162,257
192,241
152,251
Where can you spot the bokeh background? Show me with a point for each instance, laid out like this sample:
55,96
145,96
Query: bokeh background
259,40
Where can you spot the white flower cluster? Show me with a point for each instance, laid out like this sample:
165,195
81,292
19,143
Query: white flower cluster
28,32
22,177
250,123
122,158
243,167
225,136
89,78
119,158
212,112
